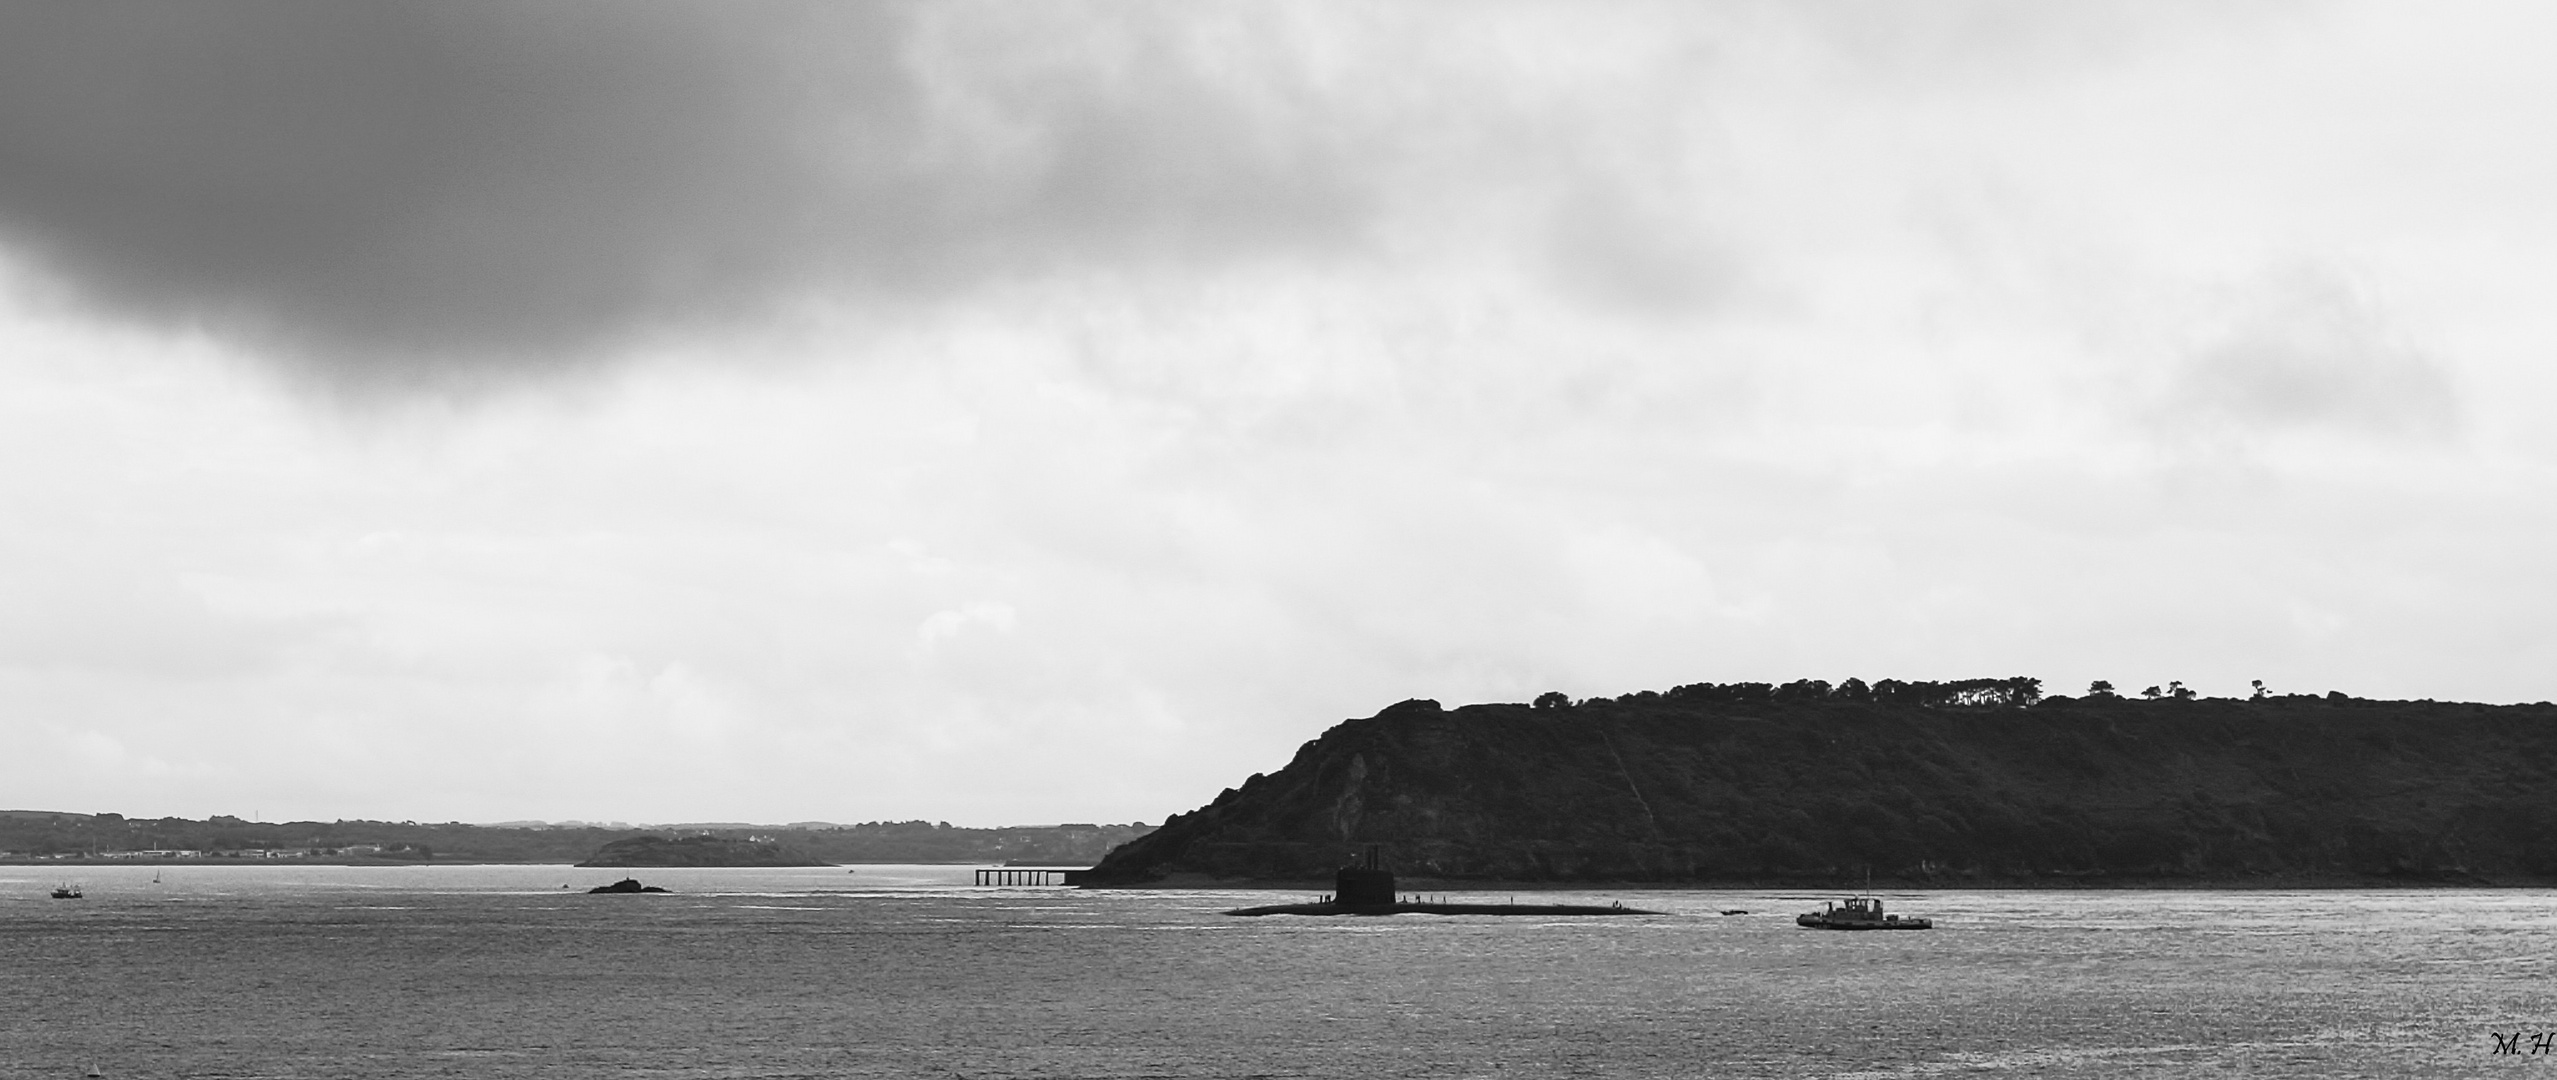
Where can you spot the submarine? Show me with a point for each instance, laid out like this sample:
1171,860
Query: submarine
1366,887
626,885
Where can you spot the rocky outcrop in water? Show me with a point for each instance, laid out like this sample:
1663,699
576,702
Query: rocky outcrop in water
1950,787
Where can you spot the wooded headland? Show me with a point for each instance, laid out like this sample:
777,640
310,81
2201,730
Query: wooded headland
1979,783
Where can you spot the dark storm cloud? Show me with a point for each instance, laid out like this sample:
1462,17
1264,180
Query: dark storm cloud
390,188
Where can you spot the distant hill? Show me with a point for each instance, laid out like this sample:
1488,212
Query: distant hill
695,851
1978,783
45,835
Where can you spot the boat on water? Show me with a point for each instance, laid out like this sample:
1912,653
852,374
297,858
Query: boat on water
66,892
1368,889
625,885
1858,913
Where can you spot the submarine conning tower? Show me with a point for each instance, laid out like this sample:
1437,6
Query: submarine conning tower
1364,884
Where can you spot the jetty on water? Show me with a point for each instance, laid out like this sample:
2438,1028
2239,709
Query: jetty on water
1028,875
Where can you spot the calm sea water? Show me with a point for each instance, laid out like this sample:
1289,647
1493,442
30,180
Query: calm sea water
910,971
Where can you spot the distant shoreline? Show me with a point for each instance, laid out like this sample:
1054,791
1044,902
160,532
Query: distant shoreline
47,837
1416,883
333,861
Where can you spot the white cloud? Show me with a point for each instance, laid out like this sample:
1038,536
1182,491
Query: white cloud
2305,350
941,626
1644,346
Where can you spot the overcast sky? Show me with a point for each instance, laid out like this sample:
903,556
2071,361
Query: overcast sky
1032,413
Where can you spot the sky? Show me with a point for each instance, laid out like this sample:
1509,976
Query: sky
1006,414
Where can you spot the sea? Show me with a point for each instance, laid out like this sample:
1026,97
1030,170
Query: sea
914,971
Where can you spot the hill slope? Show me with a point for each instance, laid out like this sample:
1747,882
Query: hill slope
695,851
1687,788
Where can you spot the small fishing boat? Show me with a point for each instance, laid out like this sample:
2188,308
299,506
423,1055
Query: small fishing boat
66,892
1858,913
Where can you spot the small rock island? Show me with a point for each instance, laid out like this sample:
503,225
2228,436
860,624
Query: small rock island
696,851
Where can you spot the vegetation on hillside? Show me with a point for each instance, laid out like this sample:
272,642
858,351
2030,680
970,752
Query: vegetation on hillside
1980,781
696,851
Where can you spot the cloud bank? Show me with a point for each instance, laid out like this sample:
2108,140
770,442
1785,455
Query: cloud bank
378,185
998,413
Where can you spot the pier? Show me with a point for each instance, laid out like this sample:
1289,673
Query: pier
1027,875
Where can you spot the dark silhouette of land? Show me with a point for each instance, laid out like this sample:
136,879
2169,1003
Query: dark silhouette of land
1978,783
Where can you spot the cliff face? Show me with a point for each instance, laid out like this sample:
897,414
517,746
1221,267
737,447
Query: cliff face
1653,788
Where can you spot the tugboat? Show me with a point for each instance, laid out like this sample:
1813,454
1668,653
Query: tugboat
66,892
1857,913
